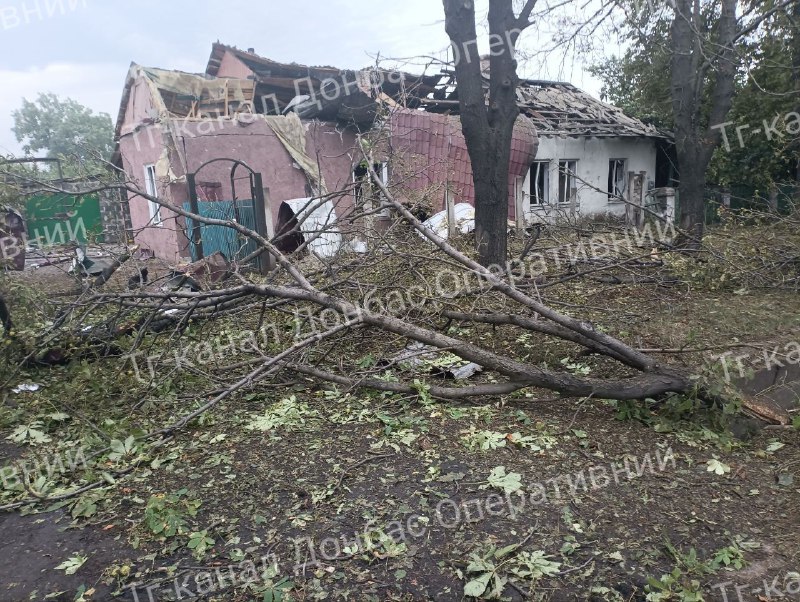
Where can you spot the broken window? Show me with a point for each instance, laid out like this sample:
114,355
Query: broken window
567,181
364,188
151,189
616,179
540,183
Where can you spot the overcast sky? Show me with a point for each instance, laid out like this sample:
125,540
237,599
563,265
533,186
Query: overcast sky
82,48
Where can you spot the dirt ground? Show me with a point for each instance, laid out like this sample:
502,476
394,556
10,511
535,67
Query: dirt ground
299,491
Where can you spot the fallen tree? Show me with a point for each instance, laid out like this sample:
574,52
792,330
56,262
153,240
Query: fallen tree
349,294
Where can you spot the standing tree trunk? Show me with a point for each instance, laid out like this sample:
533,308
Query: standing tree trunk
795,24
695,141
488,129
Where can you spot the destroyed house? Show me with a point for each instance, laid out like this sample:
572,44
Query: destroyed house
298,127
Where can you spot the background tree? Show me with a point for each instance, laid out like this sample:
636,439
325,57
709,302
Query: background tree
64,129
724,67
635,81
704,64
764,163
488,128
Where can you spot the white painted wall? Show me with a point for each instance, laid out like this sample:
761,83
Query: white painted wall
593,156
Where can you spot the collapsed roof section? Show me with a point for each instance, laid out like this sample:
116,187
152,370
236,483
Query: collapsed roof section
264,86
326,93
559,108
191,95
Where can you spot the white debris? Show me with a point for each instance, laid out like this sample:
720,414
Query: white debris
464,217
26,388
318,224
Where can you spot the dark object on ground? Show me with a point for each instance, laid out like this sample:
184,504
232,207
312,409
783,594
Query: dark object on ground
5,318
12,240
178,281
138,279
288,237
745,428
83,266
207,271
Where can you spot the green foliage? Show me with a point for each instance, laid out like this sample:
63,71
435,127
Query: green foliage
483,440
273,588
199,542
86,505
122,449
30,434
287,413
762,161
632,409
423,389
165,514
673,587
490,570
499,479
71,565
680,585
64,128
636,82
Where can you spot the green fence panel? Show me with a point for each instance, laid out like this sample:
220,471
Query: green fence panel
56,219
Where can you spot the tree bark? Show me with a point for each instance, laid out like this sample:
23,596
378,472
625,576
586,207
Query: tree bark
795,23
694,141
488,130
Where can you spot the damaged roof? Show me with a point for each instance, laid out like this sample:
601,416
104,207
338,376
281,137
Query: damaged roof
332,93
355,96
559,108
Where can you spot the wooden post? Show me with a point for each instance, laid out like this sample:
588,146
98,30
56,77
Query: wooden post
268,261
519,203
773,200
640,195
451,211
197,233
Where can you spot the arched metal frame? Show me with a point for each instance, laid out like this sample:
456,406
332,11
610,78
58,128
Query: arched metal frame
256,192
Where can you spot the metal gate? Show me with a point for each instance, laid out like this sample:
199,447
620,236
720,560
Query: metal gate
250,213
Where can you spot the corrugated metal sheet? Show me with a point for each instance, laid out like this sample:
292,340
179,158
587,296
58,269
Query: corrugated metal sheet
439,143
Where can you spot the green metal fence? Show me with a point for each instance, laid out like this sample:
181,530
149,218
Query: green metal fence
223,238
56,219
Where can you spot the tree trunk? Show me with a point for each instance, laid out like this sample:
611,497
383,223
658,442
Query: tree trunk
691,191
5,318
796,81
694,141
487,129
490,177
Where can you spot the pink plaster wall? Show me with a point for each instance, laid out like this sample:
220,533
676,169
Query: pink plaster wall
254,142
140,106
142,143
137,152
232,66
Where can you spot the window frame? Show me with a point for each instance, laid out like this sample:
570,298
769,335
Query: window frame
151,188
382,168
571,176
533,192
613,197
